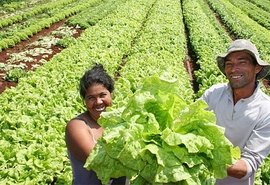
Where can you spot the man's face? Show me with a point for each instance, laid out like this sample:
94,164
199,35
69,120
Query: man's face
240,69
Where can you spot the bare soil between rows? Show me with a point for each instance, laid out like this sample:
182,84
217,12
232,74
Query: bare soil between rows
26,44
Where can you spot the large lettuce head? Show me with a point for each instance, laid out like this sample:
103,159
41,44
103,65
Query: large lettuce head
158,137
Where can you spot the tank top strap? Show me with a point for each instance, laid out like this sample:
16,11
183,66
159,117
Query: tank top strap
95,141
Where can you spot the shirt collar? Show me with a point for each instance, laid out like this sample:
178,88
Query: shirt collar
255,93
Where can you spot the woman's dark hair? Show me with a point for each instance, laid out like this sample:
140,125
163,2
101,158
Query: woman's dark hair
96,75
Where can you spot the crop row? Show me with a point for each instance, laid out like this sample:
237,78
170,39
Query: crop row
160,48
264,4
90,16
206,42
34,11
44,23
243,26
258,14
8,7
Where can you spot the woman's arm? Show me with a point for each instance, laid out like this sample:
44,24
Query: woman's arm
79,140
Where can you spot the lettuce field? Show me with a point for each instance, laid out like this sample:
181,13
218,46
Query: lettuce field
46,45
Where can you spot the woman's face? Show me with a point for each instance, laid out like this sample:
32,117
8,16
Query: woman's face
97,99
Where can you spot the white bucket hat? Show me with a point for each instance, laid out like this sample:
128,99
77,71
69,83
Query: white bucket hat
244,45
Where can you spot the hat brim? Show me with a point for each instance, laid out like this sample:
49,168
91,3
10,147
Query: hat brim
265,66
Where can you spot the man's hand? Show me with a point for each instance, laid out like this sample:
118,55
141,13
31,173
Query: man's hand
238,170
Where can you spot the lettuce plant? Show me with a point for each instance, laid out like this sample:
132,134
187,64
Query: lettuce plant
156,137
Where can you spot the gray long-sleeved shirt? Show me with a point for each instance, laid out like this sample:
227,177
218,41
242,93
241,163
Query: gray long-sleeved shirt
247,125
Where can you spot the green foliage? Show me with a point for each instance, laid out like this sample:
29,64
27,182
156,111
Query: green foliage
11,6
156,129
242,26
15,74
265,172
253,11
207,42
44,23
139,33
93,14
66,41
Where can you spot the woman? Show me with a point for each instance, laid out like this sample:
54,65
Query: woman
83,131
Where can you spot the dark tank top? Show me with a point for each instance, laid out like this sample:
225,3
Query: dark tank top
81,176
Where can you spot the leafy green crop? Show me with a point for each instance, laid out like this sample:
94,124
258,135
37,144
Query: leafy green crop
15,74
157,138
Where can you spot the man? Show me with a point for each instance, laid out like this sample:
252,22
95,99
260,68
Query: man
242,109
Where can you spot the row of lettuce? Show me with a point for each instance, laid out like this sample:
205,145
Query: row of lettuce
91,15
38,9
10,6
88,15
132,40
258,14
207,40
264,4
61,10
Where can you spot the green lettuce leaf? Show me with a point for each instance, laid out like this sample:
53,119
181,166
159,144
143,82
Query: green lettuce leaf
156,137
